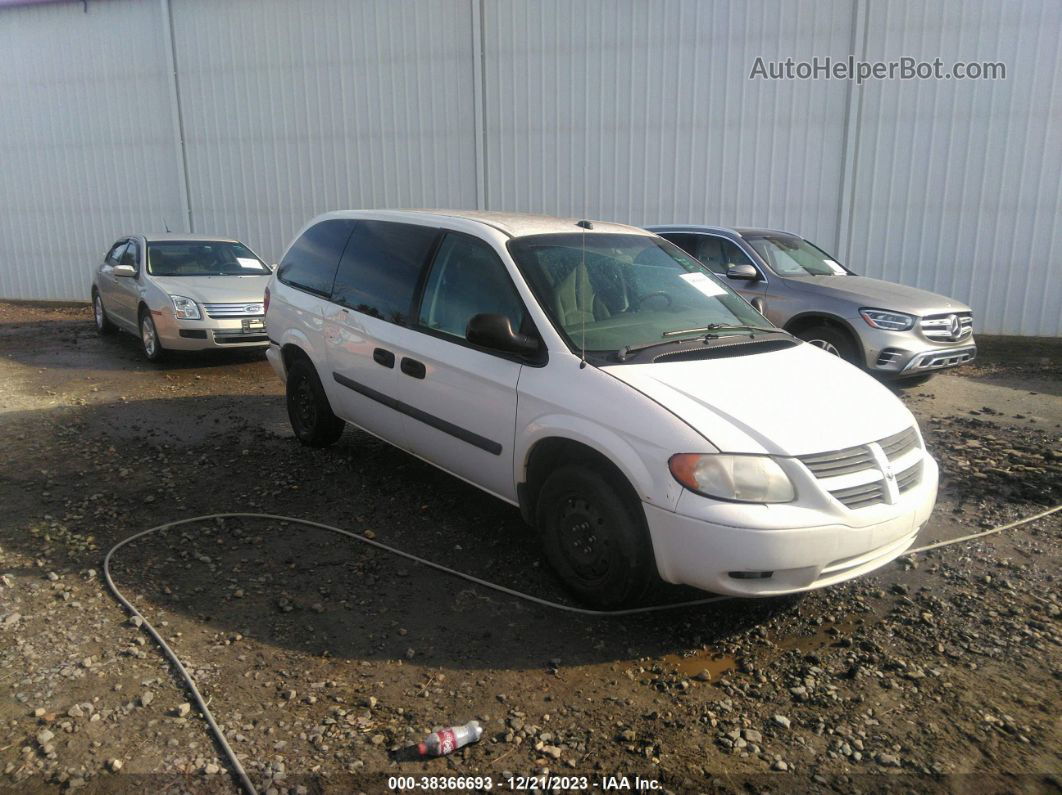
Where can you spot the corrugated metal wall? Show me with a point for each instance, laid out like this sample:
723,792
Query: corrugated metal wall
620,109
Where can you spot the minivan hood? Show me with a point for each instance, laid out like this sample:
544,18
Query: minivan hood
216,289
876,294
790,402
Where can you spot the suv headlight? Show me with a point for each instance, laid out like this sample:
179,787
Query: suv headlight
884,319
739,478
185,308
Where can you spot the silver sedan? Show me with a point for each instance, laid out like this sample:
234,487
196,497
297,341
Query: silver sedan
182,292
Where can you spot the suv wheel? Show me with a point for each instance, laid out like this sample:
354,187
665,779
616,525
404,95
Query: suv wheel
149,337
309,411
103,325
595,537
832,341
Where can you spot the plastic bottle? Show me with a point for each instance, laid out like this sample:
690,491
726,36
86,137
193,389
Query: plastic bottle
446,741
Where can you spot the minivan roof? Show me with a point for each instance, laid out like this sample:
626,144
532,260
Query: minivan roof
511,224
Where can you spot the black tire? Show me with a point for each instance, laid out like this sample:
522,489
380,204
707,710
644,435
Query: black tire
104,326
150,343
594,534
834,341
310,413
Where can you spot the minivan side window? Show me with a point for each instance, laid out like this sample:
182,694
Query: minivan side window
381,268
467,278
311,262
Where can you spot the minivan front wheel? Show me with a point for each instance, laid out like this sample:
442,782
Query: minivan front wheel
595,537
310,413
832,341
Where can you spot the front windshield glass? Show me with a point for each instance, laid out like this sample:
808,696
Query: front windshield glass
789,255
625,291
203,258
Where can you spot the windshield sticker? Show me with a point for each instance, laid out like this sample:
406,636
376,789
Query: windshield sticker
249,262
701,282
836,268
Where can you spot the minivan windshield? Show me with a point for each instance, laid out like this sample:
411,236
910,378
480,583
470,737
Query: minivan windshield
203,258
789,255
627,291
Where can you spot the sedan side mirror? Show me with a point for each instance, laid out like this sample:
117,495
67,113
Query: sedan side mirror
496,332
124,270
744,273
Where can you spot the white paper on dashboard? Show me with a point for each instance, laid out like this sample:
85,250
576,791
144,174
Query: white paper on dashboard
249,262
703,283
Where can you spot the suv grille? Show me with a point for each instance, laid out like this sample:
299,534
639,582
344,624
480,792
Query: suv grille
249,309
948,327
863,458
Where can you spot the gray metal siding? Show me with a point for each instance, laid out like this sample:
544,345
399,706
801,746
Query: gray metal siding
86,146
617,109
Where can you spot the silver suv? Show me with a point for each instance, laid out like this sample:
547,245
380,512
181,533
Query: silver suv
889,329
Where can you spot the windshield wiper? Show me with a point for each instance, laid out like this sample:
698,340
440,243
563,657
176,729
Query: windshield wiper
627,350
722,327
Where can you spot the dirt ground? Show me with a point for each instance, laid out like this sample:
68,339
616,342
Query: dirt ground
323,659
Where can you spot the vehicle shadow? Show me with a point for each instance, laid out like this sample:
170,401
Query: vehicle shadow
290,587
72,343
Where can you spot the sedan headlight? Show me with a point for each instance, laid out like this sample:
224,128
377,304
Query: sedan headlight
884,319
185,308
740,478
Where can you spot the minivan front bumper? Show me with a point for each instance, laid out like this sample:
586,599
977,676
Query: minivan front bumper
750,561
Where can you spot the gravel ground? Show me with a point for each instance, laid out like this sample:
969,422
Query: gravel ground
324,659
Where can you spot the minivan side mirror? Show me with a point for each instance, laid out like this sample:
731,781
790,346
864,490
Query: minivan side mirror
124,270
743,272
496,332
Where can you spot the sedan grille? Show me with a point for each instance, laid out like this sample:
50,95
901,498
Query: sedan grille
249,309
864,458
949,327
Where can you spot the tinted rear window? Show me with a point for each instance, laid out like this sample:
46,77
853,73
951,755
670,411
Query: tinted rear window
381,267
311,262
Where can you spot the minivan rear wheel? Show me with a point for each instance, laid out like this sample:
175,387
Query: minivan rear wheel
595,537
310,413
832,341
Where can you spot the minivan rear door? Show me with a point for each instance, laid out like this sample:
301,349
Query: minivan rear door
461,399
370,304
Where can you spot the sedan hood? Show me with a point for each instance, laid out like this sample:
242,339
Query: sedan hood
877,294
216,289
791,402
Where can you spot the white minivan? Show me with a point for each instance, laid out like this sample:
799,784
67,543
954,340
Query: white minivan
644,417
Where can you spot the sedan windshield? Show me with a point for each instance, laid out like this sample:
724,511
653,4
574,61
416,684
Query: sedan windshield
625,291
203,258
789,255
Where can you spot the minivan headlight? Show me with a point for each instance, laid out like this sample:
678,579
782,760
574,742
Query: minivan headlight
185,308
884,319
740,478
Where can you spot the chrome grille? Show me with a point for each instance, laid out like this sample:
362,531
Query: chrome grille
839,462
909,478
896,445
248,309
862,495
948,327
862,459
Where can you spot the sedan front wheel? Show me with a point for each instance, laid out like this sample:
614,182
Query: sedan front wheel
149,337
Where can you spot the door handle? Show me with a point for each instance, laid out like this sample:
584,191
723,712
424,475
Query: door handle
386,358
412,367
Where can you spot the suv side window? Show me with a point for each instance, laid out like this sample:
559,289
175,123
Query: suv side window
381,268
684,240
467,278
311,262
114,256
733,255
710,252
